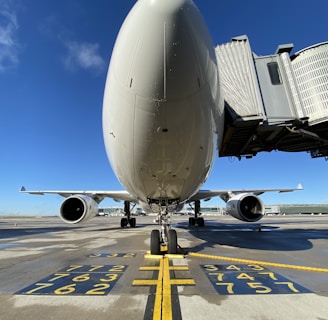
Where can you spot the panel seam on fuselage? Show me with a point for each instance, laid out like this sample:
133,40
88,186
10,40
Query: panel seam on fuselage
164,62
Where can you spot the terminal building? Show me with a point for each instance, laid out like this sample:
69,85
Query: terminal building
276,209
274,102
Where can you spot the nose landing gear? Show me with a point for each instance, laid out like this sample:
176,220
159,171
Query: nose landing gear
157,240
166,236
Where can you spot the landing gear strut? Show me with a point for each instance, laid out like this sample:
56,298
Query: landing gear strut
166,236
127,219
196,219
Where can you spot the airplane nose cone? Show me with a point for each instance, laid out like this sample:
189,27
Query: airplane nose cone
166,48
165,6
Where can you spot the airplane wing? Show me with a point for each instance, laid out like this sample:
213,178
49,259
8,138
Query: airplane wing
225,195
122,195
98,196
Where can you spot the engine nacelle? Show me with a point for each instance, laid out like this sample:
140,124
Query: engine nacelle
246,207
78,208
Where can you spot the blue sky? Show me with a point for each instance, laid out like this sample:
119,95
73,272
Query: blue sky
54,56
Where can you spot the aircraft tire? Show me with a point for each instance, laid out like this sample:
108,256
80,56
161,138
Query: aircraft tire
155,243
192,221
132,222
124,222
173,242
201,222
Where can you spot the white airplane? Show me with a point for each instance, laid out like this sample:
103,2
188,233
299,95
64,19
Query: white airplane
162,117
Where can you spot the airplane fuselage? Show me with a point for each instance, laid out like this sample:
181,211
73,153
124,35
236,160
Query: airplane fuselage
162,110
162,85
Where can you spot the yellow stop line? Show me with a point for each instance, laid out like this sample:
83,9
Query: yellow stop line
263,263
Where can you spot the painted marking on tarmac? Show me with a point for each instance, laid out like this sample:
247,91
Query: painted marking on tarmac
90,280
112,255
162,306
263,263
148,255
249,279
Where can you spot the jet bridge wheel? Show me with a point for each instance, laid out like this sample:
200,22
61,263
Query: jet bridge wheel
155,242
172,246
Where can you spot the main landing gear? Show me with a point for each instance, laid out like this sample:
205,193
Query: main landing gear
196,219
166,236
127,219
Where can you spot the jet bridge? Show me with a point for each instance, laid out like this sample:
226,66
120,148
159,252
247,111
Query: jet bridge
275,102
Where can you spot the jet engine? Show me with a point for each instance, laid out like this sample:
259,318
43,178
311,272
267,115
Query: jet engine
78,208
246,207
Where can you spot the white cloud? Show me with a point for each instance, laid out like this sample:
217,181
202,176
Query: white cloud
8,29
83,55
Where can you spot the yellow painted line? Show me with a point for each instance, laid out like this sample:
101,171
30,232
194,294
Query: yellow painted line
148,255
181,282
160,256
163,253
141,282
174,256
263,263
153,256
163,304
166,304
159,291
149,268
163,283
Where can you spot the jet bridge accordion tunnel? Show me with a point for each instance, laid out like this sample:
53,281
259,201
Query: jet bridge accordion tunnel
275,102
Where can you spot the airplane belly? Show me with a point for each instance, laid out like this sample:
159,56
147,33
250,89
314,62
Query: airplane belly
163,149
163,85
173,146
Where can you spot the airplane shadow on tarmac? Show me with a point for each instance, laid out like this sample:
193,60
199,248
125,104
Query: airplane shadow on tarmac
15,232
251,237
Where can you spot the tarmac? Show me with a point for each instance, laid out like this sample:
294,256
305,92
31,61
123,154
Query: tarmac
228,270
